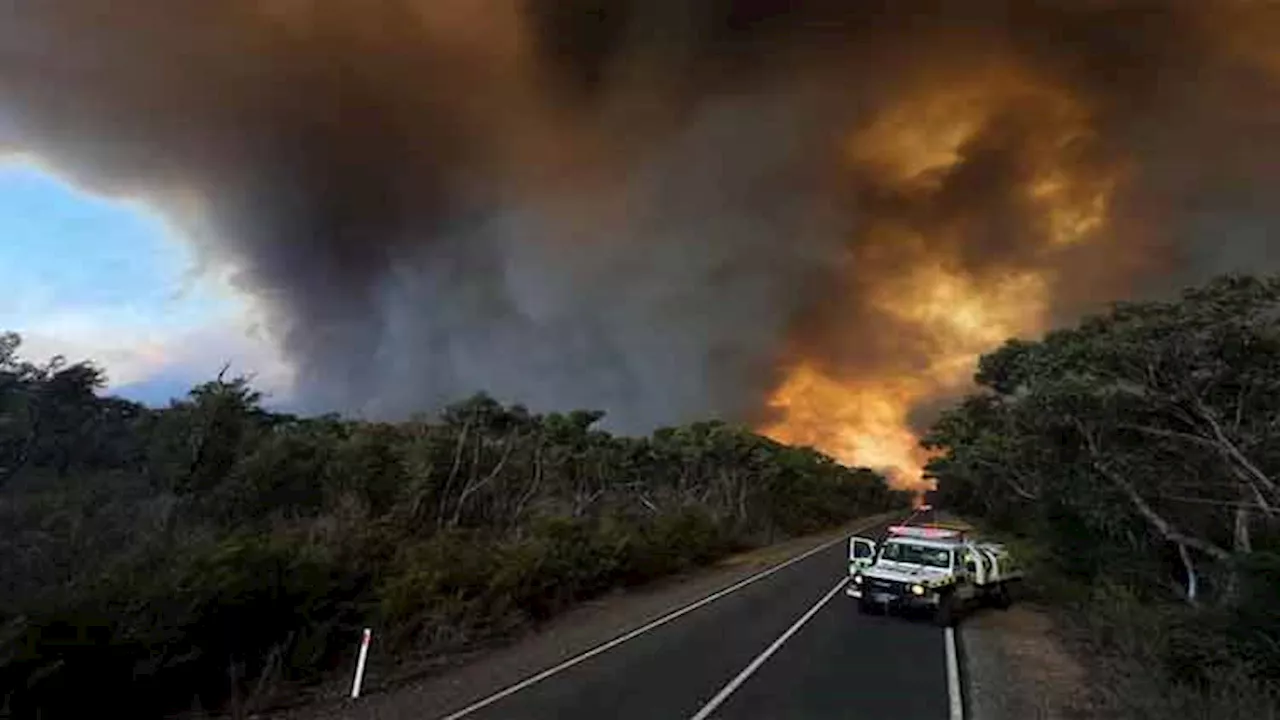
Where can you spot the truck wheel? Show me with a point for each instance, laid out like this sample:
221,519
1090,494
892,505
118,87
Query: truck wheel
1001,598
945,614
865,606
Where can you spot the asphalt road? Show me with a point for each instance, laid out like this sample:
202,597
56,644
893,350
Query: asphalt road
787,645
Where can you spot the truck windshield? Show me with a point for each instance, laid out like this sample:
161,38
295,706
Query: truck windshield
916,555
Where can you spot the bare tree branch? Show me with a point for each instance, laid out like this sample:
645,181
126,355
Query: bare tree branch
1002,473
1171,434
1219,444
474,487
1232,450
1163,526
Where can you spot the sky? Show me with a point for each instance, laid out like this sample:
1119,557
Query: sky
108,280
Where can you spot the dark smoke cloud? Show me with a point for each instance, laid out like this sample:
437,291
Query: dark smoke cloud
639,205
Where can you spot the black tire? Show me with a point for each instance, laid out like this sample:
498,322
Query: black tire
1001,598
865,606
945,614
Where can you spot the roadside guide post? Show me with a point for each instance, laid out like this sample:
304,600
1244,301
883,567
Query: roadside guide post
364,655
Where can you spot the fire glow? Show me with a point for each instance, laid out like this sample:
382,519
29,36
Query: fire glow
916,148
810,217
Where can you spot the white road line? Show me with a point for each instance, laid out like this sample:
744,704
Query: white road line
953,676
735,683
479,704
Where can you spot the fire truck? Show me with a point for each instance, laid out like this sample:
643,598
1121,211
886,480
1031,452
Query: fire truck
934,568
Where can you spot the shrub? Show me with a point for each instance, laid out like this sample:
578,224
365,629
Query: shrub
214,553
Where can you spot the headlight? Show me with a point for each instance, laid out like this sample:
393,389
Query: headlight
917,589
857,579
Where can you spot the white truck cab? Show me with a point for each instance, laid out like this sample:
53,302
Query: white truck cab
929,567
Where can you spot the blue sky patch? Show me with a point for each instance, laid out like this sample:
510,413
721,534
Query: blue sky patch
107,280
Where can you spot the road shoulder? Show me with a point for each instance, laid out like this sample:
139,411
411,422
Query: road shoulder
455,683
1016,666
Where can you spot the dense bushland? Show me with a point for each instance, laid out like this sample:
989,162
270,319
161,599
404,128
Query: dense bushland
212,554
1137,456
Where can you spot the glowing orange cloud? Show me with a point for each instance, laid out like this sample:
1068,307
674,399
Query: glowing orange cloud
926,293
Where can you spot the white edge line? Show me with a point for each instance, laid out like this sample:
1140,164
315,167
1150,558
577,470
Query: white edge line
953,676
513,689
741,677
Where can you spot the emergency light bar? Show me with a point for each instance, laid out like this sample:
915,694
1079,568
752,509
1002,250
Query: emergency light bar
931,533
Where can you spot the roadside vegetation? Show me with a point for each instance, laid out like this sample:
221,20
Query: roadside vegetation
1136,457
214,555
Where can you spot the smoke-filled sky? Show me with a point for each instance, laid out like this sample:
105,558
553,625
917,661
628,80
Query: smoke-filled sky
809,216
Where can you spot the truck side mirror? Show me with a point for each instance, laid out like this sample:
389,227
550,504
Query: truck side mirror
861,551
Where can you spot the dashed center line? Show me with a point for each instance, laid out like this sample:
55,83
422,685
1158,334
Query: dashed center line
741,677
539,677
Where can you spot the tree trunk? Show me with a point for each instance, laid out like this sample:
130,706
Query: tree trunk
1243,544
1192,580
534,483
473,487
453,473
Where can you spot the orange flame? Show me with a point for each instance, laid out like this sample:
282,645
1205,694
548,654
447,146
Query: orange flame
865,421
859,423
927,296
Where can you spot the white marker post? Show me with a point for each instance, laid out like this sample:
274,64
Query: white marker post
364,655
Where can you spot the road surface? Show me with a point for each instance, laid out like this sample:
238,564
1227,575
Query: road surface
787,644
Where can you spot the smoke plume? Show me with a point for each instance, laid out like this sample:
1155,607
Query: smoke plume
808,216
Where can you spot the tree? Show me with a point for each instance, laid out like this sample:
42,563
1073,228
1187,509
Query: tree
214,549
1154,423
205,434
46,412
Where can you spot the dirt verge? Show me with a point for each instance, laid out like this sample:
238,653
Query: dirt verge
1017,667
